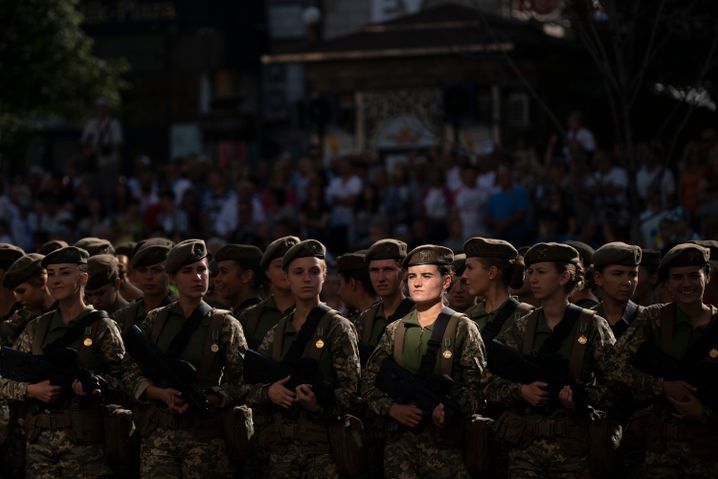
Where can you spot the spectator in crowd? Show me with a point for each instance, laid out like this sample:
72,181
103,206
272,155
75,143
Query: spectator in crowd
341,196
508,210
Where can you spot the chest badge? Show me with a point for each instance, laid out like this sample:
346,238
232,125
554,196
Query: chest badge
713,353
582,340
319,344
214,348
447,354
87,342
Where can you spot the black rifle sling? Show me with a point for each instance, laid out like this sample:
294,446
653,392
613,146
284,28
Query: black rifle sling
76,330
306,332
181,340
562,330
428,360
491,330
402,310
629,314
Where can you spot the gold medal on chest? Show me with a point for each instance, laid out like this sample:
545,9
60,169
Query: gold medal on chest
447,354
214,348
87,342
713,353
319,344
582,340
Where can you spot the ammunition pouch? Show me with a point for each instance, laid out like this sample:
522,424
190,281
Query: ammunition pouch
311,433
479,446
149,417
238,430
571,433
347,446
84,426
121,442
657,431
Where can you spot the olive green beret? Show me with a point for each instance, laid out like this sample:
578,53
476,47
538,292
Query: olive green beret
351,263
617,253
277,249
304,249
585,251
66,255
125,249
9,253
551,252
429,254
386,249
248,256
650,258
22,270
51,246
151,251
95,245
684,254
712,245
185,252
478,247
102,269
459,264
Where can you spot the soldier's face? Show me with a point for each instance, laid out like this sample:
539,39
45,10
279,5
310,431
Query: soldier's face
192,280
64,280
618,282
29,295
345,291
426,284
152,280
545,280
459,297
103,297
687,284
385,276
476,276
306,277
276,275
228,282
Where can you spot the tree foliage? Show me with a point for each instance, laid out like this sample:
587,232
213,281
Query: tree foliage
47,69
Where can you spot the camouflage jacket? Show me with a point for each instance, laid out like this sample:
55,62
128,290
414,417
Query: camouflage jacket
469,361
224,376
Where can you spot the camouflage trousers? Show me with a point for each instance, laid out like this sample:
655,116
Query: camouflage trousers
256,466
294,461
55,454
545,458
174,454
408,455
12,451
678,461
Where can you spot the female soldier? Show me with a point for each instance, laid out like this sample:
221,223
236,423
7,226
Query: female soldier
679,425
312,334
414,343
546,425
178,440
492,266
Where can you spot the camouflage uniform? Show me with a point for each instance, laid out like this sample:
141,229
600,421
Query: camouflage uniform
257,319
532,452
679,448
134,313
179,451
481,317
409,455
299,444
54,451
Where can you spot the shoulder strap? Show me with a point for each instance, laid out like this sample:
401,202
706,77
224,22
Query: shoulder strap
530,331
668,323
211,346
492,329
629,314
306,332
561,332
369,322
446,361
580,340
314,350
77,329
428,360
181,340
83,355
404,308
159,324
278,343
399,342
38,339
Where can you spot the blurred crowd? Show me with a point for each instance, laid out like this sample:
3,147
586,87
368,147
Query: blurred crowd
567,189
